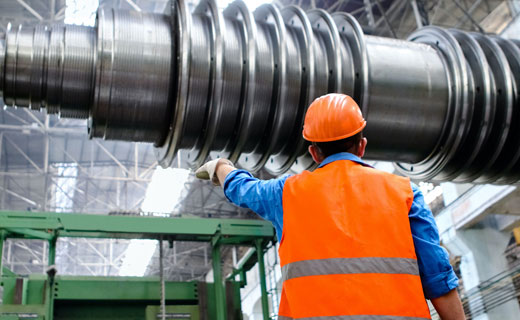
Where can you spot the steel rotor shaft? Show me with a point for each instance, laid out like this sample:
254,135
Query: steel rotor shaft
236,84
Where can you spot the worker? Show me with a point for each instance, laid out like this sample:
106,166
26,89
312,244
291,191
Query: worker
355,242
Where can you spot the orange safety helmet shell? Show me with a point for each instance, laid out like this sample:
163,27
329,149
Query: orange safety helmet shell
332,117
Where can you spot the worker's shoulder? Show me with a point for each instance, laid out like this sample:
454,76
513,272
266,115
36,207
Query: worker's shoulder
298,176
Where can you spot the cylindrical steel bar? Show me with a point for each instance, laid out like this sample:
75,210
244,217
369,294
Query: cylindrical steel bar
132,77
420,112
51,68
443,104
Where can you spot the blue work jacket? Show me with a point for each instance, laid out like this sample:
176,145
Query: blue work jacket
265,198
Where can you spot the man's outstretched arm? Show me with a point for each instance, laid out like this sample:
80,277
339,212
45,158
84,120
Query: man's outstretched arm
241,188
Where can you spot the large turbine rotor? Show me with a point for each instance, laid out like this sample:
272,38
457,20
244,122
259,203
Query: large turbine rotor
443,104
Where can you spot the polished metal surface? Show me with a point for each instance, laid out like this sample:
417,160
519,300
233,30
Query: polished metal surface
406,103
444,104
51,68
130,99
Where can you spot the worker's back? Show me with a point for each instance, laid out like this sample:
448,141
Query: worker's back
347,247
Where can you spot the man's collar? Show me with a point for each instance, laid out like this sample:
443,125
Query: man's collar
343,156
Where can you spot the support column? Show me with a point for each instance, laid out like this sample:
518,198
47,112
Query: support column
52,252
261,276
220,294
51,272
2,238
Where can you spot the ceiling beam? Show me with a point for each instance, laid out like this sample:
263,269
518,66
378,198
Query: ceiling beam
30,9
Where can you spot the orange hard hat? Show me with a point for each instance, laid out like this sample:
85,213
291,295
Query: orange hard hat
332,117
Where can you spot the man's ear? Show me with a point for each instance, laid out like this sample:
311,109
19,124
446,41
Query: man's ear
361,147
316,154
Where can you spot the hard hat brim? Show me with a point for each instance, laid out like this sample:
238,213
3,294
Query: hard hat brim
348,135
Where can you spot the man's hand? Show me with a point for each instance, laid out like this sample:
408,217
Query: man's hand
209,170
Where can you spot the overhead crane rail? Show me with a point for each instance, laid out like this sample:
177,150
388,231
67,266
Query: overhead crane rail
443,105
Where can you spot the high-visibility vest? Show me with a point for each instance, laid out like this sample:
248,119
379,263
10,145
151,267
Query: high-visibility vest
347,250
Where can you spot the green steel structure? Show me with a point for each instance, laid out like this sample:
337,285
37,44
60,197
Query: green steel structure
52,296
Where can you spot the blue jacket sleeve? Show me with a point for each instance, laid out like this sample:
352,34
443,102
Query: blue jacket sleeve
264,197
437,275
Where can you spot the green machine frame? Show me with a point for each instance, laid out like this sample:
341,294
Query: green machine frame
53,296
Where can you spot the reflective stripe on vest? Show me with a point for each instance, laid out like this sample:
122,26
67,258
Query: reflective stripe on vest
349,266
357,317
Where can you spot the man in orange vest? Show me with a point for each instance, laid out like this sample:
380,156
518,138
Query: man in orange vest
355,242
